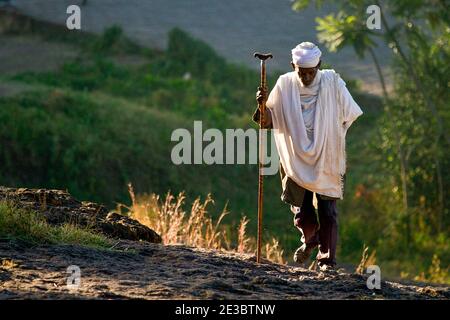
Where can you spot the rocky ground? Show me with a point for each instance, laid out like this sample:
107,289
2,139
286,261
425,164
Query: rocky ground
142,268
139,270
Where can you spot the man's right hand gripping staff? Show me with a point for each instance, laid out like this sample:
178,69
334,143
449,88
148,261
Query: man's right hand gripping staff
261,96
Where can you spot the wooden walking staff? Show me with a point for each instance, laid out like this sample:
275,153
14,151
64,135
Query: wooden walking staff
262,110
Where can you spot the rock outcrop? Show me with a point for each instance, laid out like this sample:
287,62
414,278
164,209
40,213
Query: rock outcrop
59,207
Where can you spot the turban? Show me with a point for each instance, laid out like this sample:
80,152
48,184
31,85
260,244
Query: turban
306,55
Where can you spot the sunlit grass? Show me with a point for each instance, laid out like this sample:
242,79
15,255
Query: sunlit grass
27,225
194,227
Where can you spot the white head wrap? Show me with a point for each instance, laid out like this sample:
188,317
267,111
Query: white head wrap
306,55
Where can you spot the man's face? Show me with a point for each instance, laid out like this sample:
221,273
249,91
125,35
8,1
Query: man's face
307,75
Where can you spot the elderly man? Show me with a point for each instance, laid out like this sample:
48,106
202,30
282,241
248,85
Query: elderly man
310,111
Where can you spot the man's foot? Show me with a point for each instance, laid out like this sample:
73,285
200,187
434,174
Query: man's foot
303,253
327,268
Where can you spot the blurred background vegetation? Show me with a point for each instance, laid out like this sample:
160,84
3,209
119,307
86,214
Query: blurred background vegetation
103,118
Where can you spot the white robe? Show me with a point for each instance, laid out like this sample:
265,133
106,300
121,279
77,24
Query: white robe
319,164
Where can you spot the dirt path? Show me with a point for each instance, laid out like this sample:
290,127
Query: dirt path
235,28
153,271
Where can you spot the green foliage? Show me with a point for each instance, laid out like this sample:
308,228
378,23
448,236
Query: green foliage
342,30
298,5
195,56
26,225
94,145
110,37
113,41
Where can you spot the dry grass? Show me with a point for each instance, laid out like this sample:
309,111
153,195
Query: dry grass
366,260
195,227
274,252
435,273
244,242
8,264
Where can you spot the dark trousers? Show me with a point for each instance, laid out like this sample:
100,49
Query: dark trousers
318,230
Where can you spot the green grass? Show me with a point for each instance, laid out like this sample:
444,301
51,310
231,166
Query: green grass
27,225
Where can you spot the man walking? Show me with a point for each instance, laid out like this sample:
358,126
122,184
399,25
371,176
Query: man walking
310,111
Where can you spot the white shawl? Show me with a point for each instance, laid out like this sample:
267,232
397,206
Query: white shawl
317,165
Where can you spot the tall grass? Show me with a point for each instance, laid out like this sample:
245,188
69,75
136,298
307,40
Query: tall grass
366,260
435,273
194,227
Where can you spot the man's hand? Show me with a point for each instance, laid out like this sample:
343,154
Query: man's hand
261,95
